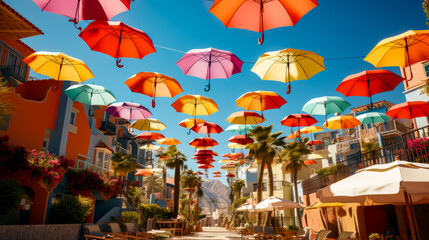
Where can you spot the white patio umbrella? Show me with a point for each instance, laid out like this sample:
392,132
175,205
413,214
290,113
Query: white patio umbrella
395,182
247,207
272,203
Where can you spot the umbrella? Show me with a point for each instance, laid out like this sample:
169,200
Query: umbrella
237,155
203,142
402,50
152,147
154,84
325,105
128,111
409,110
168,141
395,182
369,83
272,203
210,63
216,172
315,156
247,207
144,172
90,95
228,166
291,136
226,155
225,161
59,66
150,136
241,139
260,101
199,173
239,128
341,122
207,128
245,117
148,124
372,117
311,129
79,10
298,120
309,162
210,152
313,142
117,40
190,122
261,15
231,175
217,176
236,145
288,65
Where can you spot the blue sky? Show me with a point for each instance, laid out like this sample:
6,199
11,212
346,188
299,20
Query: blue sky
334,29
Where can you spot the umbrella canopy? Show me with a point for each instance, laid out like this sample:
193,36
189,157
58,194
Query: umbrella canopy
288,65
259,16
128,111
247,207
239,128
231,175
291,136
205,166
210,152
309,162
79,10
150,136
226,155
409,110
313,142
237,155
207,128
245,117
311,129
190,122
272,203
228,166
59,66
216,172
401,50
152,147
210,63
154,84
225,161
241,139
203,142
236,145
372,117
195,105
90,94
315,156
117,40
341,122
325,105
369,83
298,120
168,141
320,205
216,176
144,172
199,173
148,124
260,101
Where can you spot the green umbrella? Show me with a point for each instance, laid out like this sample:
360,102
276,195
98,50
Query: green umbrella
372,117
239,128
90,94
325,105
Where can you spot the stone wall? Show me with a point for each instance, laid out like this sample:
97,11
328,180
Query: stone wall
40,232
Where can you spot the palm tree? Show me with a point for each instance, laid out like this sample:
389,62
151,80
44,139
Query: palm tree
161,164
292,158
237,186
199,193
263,150
176,160
189,181
5,105
154,183
122,165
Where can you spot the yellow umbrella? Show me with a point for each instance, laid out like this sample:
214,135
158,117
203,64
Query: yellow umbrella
319,205
152,147
225,161
245,117
311,129
168,141
59,66
236,145
401,50
148,124
288,65
195,105
190,122
341,122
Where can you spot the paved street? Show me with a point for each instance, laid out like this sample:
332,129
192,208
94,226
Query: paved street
212,233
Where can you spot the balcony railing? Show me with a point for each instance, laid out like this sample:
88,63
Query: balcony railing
108,128
277,186
81,165
9,73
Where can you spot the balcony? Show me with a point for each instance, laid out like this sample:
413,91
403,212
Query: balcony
13,75
278,186
108,128
81,165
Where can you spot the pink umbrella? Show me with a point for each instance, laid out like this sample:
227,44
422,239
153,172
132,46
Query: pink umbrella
79,10
128,111
210,63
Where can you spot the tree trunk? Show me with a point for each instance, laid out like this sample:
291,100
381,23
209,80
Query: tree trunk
270,189
196,211
164,178
295,189
259,192
176,189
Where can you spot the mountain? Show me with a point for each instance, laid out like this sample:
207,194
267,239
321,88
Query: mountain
214,189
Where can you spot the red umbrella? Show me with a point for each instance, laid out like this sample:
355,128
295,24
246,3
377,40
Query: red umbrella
309,162
204,161
369,83
207,128
298,120
210,152
313,142
202,157
241,139
230,175
409,110
217,176
117,39
217,172
203,142
237,155
226,155
150,136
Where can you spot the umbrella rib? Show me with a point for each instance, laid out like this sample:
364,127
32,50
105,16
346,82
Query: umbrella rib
235,13
393,46
391,88
311,59
306,76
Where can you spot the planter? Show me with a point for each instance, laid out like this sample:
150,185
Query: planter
198,228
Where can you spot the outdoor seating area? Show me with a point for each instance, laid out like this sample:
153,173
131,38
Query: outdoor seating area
176,228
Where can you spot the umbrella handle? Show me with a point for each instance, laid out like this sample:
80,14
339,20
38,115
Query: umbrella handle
153,103
75,24
189,132
288,89
261,39
118,61
207,88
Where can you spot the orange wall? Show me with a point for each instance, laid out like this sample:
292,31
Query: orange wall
30,119
78,143
99,116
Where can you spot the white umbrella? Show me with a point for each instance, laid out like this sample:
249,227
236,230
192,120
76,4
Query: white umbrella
272,203
395,182
247,207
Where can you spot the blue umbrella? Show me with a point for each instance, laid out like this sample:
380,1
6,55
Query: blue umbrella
372,117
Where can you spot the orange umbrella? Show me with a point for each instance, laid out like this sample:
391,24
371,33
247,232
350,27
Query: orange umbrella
309,162
260,15
291,136
204,142
190,122
237,155
168,141
217,172
241,139
260,101
226,155
217,176
207,128
144,172
245,117
150,136
154,84
163,158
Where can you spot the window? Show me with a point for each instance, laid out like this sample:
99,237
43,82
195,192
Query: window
103,158
12,62
73,118
46,139
72,125
426,67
